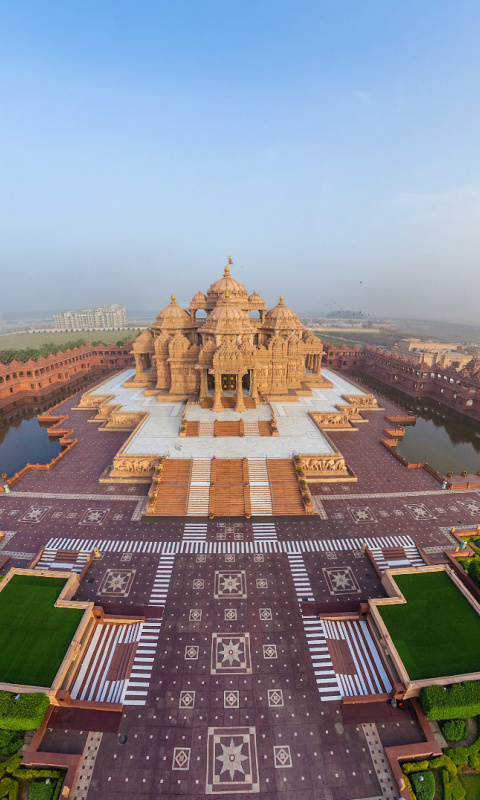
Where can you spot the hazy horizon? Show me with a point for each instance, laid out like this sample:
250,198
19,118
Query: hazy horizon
331,149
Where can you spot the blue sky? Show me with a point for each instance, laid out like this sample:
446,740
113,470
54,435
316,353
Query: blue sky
320,143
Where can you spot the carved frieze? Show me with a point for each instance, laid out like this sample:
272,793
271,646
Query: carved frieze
131,465
318,465
361,400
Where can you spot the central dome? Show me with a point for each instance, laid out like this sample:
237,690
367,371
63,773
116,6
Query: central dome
228,284
226,317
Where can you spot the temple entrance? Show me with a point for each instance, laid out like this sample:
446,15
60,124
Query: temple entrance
229,383
246,382
210,382
146,362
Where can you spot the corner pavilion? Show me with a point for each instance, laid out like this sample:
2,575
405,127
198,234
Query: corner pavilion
238,350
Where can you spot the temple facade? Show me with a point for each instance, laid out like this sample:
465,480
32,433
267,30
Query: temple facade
227,344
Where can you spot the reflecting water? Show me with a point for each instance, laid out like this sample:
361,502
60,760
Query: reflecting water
25,441
444,438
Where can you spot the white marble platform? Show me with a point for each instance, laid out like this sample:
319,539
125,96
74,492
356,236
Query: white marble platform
159,433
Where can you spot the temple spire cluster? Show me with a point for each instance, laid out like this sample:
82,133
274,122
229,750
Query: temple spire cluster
227,343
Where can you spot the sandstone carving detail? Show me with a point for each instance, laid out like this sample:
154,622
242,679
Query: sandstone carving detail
315,465
142,466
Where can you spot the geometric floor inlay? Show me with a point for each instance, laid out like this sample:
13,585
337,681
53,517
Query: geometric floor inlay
419,511
472,506
340,580
275,698
94,516
35,514
282,756
362,514
232,761
117,582
230,584
231,654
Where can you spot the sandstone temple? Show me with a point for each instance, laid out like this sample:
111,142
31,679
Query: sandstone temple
228,409
227,345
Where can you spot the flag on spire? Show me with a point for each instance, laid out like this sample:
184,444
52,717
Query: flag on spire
230,259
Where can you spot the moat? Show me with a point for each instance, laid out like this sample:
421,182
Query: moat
25,441
445,439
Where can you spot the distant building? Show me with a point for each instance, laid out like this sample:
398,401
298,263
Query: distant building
445,354
92,319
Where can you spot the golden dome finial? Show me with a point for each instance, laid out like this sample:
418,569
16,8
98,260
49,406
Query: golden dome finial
173,297
226,270
227,295
281,298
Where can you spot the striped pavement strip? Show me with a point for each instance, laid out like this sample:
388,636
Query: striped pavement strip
300,578
158,596
387,495
264,531
136,687
257,546
326,679
129,498
195,532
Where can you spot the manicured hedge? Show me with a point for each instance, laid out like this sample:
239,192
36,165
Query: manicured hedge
474,570
423,784
455,730
452,788
41,791
10,765
10,742
24,714
459,701
11,772
8,788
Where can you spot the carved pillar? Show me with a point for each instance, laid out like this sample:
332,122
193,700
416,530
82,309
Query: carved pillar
253,387
240,406
203,384
217,401
138,365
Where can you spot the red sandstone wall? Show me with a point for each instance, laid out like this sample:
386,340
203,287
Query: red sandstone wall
36,380
456,389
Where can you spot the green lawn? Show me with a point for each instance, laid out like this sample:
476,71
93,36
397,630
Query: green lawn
471,784
437,632
34,636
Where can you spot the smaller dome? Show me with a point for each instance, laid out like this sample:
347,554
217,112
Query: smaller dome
282,317
199,298
173,316
255,298
144,342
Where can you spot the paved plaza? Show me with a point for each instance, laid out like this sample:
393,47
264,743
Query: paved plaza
233,690
159,433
